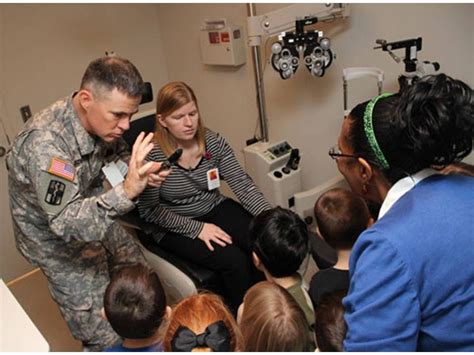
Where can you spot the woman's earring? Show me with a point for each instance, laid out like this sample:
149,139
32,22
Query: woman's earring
364,188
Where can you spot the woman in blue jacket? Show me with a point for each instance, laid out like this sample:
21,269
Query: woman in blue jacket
412,275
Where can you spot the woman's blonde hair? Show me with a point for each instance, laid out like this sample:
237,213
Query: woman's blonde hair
172,97
272,320
197,312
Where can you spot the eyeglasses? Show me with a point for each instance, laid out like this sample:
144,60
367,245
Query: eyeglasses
335,152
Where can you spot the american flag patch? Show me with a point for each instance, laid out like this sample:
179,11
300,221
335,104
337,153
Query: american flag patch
61,168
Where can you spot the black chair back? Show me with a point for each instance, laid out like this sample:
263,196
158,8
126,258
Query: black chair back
143,124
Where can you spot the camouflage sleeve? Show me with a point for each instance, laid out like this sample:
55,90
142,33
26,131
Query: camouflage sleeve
63,197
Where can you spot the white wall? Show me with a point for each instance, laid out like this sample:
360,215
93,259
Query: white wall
226,95
44,50
10,262
307,111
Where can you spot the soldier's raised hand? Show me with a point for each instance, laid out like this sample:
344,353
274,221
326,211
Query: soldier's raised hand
139,170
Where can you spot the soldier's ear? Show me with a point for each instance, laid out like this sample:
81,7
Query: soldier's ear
85,98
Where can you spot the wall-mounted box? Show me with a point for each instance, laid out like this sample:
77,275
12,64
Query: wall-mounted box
222,44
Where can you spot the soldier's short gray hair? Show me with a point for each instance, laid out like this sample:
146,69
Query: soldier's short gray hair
111,73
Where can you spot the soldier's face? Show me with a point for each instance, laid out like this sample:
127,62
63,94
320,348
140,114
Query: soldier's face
108,115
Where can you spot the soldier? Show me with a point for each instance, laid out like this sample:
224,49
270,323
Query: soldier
63,220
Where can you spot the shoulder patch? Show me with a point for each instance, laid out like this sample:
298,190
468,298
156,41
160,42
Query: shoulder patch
62,169
55,193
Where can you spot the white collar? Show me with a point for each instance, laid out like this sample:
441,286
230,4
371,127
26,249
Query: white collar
401,187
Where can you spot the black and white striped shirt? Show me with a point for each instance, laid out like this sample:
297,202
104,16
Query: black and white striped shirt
184,195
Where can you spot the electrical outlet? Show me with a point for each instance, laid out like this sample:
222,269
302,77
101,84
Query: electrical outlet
25,113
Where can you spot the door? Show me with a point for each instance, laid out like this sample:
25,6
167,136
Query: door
12,263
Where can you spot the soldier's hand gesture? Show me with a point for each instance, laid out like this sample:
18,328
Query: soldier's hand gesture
139,169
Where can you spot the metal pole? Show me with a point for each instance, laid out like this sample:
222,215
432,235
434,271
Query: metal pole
259,83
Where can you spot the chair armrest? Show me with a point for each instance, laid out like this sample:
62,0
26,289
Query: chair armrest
132,219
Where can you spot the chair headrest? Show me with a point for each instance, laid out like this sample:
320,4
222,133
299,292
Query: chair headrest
144,124
147,94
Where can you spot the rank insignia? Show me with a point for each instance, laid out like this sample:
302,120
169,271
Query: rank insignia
62,169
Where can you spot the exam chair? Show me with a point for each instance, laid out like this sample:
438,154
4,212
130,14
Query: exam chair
180,278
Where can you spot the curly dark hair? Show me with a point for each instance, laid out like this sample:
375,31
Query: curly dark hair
428,123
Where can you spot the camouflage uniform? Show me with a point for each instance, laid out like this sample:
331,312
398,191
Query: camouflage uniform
64,222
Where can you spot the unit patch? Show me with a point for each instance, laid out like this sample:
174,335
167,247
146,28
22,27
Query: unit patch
55,192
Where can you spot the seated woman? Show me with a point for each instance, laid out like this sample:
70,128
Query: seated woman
198,222
411,283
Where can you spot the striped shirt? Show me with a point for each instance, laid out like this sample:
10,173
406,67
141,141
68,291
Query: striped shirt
184,195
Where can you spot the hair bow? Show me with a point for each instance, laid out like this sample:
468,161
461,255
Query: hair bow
216,337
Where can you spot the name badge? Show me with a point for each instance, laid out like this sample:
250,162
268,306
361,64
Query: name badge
213,181
113,173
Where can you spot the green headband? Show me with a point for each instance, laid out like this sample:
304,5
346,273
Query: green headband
369,130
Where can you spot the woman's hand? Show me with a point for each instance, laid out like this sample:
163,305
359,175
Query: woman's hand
213,233
155,180
457,168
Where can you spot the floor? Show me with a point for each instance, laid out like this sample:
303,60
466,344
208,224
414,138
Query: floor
33,295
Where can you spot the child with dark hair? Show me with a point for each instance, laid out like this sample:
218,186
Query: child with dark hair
341,217
135,306
330,326
279,241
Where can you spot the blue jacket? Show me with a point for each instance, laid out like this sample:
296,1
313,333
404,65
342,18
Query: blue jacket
412,273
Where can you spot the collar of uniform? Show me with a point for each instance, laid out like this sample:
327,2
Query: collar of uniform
85,141
401,187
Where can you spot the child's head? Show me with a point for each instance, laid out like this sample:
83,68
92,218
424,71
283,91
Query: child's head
271,320
202,323
279,239
134,302
330,327
341,216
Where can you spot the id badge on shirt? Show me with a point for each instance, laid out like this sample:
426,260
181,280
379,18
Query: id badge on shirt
115,171
213,181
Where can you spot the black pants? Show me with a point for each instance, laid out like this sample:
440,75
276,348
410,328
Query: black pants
233,261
